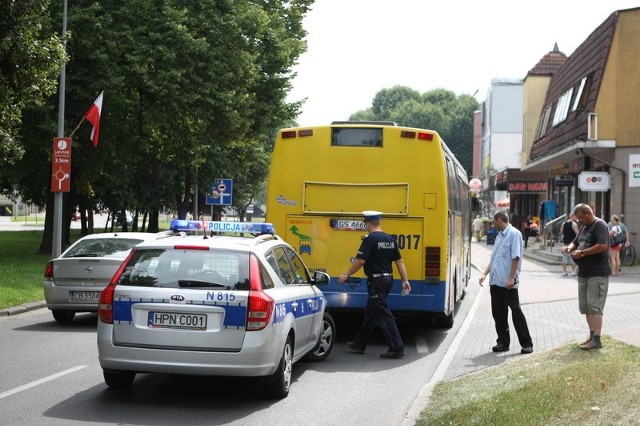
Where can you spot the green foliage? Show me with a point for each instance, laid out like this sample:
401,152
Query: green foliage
30,61
440,110
192,90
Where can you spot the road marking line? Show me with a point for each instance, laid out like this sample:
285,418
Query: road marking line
41,381
421,345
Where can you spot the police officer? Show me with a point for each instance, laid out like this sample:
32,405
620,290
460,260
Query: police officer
376,253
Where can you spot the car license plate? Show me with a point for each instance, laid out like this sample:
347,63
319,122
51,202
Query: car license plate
84,296
176,320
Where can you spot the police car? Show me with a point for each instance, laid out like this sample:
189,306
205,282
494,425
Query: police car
213,305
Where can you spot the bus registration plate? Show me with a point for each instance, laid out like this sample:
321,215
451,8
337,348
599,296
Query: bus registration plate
177,320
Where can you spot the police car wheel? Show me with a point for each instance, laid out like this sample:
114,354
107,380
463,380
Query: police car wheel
118,379
325,340
277,385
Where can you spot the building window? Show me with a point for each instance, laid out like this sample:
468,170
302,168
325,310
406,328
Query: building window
563,107
576,101
544,120
580,101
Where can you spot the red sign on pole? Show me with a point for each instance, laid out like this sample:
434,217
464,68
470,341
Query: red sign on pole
61,165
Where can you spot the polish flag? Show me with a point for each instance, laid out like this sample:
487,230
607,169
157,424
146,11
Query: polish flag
93,117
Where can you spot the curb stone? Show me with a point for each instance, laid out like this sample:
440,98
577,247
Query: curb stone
15,310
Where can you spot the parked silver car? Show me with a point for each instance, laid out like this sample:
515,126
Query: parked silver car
213,305
73,281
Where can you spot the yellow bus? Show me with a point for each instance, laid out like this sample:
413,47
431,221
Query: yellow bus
322,179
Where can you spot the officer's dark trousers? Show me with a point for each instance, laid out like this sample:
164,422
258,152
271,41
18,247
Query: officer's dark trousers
378,313
501,300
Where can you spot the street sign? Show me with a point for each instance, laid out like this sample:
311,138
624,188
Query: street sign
634,170
61,165
594,181
220,193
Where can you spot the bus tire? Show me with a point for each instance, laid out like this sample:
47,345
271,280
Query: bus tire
445,321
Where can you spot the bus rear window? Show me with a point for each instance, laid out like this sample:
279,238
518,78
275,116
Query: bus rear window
356,137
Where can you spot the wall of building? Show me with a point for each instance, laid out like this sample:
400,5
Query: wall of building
505,150
534,90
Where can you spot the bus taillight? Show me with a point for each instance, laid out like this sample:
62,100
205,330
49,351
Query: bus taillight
305,132
408,134
425,136
288,134
432,264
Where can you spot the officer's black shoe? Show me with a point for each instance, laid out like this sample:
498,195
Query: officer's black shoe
526,350
354,348
500,348
392,355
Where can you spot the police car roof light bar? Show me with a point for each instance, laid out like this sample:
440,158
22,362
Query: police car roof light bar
219,226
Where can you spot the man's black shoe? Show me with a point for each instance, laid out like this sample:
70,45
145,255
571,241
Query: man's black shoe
392,355
354,348
526,350
500,348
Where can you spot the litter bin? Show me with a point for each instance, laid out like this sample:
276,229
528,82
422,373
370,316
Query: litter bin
491,236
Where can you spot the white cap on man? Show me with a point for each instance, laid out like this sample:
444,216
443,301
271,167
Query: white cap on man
371,215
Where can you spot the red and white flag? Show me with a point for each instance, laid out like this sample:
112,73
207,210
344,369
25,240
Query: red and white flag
93,117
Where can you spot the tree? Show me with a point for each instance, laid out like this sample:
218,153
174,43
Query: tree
30,61
440,110
186,83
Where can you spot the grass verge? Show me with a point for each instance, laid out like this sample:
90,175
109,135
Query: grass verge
21,269
563,386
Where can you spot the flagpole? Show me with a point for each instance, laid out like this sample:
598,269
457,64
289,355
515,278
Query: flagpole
56,248
74,130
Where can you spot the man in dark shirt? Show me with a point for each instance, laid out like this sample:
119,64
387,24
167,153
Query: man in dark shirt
590,250
377,253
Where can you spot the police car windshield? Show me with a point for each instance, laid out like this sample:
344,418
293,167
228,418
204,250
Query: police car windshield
179,268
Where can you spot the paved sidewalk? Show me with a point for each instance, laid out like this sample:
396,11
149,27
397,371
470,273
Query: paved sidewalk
550,303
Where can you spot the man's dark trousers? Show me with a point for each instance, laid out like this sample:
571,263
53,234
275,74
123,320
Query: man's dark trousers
501,300
378,313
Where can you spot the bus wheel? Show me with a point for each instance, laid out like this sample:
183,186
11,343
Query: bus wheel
445,321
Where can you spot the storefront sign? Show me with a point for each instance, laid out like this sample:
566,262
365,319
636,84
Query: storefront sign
564,180
527,187
594,181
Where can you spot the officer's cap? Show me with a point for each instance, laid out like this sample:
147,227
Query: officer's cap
371,215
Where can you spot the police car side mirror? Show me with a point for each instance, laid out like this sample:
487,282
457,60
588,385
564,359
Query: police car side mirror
320,278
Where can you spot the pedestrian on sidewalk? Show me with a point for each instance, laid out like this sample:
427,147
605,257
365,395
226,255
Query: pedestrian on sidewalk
504,268
617,239
527,230
477,225
590,250
377,252
569,233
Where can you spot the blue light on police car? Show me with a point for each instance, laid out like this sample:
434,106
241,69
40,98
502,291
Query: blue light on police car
217,226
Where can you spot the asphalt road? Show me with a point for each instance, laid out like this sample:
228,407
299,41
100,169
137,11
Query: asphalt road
50,375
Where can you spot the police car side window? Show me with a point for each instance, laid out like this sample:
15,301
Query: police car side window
299,271
266,279
283,266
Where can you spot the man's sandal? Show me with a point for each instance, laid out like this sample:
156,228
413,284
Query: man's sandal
590,345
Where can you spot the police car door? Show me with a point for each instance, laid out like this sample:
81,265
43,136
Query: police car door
301,296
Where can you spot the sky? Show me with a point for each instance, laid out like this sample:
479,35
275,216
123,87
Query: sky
358,47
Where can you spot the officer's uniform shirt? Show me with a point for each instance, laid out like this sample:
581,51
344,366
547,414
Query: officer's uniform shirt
378,250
